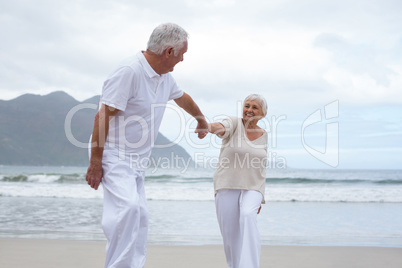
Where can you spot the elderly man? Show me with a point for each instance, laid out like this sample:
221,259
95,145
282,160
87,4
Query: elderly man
125,128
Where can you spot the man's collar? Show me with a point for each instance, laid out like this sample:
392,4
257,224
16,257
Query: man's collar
148,69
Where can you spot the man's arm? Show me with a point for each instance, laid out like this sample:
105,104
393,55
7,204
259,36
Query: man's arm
188,104
99,134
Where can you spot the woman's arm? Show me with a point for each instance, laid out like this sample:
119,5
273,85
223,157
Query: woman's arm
216,128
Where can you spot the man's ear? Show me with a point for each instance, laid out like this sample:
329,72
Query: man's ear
169,51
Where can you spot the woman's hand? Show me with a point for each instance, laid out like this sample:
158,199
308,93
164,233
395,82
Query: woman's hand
216,128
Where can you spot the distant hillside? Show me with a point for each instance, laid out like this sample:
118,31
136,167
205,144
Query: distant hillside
32,131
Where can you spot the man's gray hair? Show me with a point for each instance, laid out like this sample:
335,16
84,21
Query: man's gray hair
167,35
260,100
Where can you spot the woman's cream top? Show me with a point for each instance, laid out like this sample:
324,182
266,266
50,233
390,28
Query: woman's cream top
242,163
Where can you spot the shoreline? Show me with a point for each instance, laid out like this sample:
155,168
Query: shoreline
48,253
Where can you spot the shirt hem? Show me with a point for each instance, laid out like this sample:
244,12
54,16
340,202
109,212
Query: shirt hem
241,188
109,103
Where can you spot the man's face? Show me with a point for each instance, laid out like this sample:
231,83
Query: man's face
175,59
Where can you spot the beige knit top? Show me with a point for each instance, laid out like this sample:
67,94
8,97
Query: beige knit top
242,163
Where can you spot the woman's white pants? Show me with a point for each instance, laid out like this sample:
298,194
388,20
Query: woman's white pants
125,215
237,216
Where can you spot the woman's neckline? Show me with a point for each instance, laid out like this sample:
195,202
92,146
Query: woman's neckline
245,132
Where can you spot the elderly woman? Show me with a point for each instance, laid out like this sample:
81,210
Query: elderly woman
239,182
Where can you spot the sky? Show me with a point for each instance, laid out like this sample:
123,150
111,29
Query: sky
331,71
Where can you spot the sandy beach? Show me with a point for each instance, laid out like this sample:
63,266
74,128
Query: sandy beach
35,253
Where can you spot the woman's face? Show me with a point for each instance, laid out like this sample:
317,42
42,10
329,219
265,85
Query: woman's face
252,110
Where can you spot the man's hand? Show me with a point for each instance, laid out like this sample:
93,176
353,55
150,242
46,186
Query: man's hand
202,128
99,135
94,175
188,104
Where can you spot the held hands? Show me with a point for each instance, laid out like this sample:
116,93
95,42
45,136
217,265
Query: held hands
94,175
210,128
202,128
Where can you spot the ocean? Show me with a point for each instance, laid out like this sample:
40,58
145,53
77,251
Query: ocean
303,207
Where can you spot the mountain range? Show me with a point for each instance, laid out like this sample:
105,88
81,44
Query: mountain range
32,131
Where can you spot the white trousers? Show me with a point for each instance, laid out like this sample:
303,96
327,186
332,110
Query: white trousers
237,216
125,214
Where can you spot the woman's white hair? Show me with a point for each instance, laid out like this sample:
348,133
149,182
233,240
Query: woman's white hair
167,35
260,100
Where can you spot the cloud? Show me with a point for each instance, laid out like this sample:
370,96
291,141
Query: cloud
71,46
301,55
358,58
275,47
